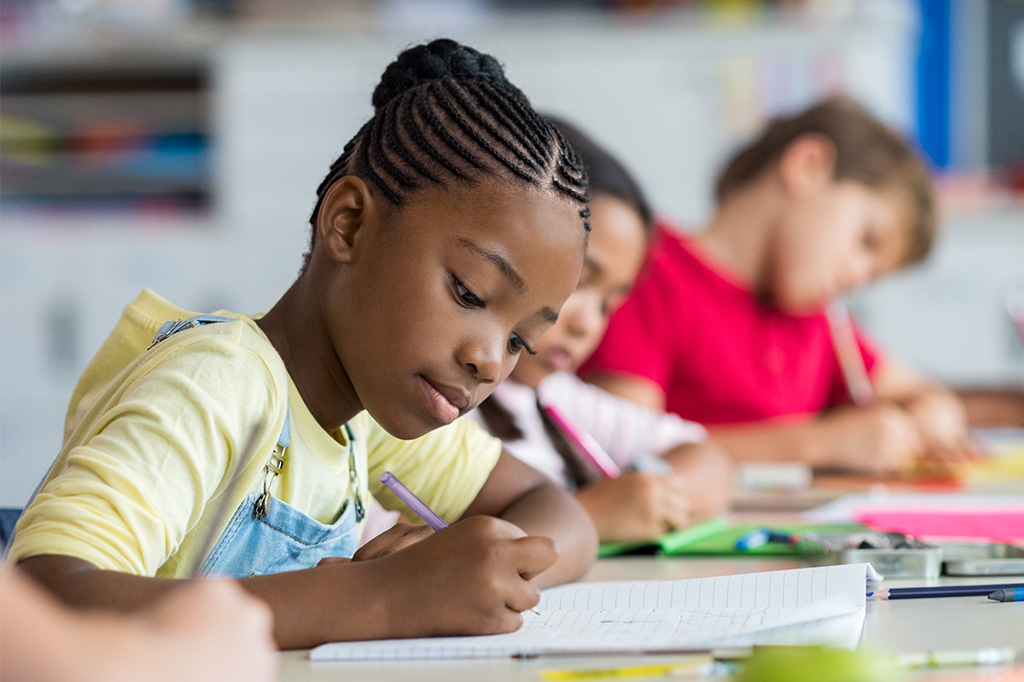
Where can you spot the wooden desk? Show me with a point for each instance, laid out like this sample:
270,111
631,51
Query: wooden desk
903,625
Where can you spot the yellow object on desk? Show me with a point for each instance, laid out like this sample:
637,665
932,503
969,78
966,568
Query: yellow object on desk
695,667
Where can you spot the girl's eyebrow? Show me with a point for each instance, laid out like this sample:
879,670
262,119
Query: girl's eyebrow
508,272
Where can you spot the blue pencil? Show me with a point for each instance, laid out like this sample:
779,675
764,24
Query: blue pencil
1008,594
942,591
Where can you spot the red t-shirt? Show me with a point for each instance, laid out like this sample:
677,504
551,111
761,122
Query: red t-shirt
720,356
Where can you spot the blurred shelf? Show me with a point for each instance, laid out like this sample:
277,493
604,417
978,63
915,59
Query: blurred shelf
90,133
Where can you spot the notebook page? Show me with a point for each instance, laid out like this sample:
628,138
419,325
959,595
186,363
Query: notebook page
822,605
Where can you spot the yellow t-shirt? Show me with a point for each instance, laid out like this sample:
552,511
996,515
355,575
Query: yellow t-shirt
152,436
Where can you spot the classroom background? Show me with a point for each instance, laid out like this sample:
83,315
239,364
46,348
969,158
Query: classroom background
177,145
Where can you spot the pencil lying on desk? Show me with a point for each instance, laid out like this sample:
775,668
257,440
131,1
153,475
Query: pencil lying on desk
940,591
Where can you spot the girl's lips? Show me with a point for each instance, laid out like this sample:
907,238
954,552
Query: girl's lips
444,409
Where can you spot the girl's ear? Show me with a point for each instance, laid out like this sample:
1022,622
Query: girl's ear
345,208
807,164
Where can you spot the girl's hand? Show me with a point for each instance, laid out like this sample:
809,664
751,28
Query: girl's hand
636,505
399,536
472,578
880,439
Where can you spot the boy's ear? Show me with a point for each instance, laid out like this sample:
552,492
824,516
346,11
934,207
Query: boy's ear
807,164
345,208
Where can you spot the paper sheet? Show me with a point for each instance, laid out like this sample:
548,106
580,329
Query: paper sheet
822,605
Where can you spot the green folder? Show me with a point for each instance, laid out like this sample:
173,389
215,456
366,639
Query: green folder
717,537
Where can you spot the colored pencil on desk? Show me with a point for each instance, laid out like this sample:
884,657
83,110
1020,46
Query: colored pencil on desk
940,591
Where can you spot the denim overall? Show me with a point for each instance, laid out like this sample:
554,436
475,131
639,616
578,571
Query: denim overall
265,534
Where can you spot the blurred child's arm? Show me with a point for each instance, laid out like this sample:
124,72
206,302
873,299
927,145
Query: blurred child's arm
881,438
521,495
224,632
633,387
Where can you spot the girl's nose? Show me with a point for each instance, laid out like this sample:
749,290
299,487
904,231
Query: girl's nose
482,356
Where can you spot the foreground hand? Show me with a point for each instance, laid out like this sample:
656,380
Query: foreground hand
472,578
211,629
636,505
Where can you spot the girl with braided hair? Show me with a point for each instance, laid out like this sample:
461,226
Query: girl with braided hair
444,241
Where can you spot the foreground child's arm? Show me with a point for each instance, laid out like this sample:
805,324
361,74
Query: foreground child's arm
224,632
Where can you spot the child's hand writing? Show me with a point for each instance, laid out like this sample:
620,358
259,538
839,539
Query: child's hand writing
636,505
472,578
882,438
942,421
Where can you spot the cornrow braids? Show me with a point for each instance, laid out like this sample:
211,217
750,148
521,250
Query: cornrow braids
446,114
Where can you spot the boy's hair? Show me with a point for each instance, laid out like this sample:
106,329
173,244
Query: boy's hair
606,173
445,113
867,151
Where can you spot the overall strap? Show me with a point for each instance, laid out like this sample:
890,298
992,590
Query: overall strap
175,326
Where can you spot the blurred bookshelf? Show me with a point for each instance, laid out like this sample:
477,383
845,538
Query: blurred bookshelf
91,133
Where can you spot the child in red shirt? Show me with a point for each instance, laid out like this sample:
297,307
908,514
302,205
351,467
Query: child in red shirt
728,327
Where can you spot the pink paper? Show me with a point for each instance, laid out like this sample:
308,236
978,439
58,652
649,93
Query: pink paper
996,525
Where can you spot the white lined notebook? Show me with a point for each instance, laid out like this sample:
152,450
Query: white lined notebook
821,605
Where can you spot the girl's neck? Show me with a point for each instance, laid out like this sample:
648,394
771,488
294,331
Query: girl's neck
298,335
740,233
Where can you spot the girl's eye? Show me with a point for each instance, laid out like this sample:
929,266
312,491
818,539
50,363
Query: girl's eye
466,297
516,344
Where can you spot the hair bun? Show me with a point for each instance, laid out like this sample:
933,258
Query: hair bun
441,58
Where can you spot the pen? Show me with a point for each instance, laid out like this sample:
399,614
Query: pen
760,536
584,443
413,502
851,362
942,591
1008,594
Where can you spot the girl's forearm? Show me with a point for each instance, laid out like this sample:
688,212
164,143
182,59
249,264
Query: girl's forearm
310,607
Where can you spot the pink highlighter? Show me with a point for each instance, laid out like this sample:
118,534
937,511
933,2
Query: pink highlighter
584,443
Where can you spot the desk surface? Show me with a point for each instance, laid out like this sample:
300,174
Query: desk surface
903,625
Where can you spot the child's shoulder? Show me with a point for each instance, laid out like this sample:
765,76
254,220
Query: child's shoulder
129,351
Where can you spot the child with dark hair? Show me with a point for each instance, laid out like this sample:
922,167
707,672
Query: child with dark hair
445,240
669,470
730,327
